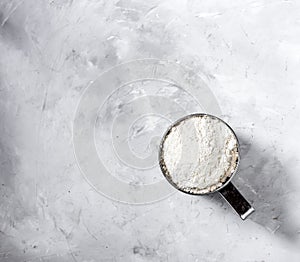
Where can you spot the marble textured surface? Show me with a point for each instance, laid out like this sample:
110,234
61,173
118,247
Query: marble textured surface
249,55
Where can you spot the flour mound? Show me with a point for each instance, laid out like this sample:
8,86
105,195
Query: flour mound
199,154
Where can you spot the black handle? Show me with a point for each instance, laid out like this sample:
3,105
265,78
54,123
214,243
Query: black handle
236,200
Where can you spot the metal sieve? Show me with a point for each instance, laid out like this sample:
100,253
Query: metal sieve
227,190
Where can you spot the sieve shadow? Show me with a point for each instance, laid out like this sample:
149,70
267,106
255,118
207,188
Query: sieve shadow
263,181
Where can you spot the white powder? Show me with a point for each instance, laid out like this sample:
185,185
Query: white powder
199,154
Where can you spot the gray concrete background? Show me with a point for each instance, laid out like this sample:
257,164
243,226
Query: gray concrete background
248,56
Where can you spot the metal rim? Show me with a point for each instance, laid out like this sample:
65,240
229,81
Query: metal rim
176,123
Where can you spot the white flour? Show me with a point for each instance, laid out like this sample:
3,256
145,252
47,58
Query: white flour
199,154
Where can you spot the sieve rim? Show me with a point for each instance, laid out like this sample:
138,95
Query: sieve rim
161,158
